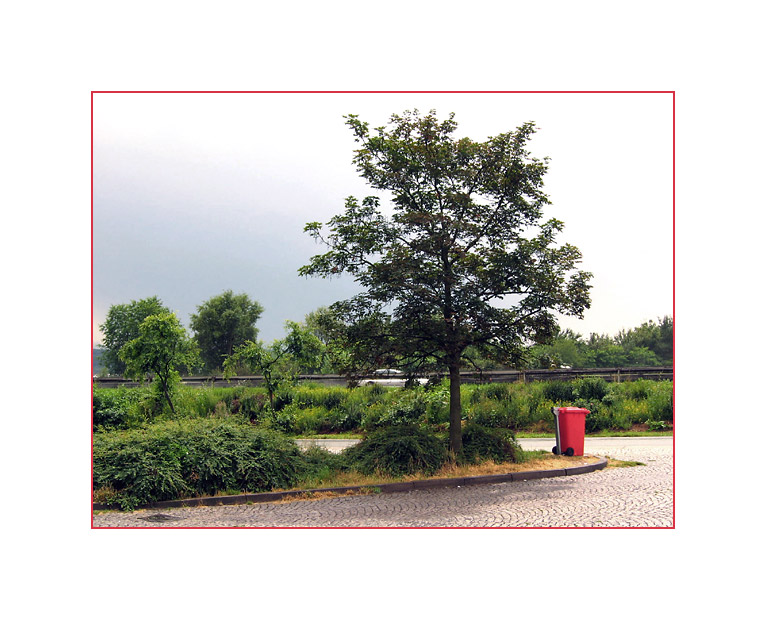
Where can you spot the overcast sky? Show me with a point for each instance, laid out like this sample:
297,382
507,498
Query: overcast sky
195,194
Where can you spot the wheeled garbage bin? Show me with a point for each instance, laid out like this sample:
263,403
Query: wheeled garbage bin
570,430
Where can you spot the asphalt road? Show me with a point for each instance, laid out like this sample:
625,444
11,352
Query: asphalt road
640,496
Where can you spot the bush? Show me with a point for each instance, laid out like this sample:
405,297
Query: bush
491,414
660,400
118,408
636,390
496,391
169,460
559,391
597,421
590,388
481,444
397,451
404,413
321,465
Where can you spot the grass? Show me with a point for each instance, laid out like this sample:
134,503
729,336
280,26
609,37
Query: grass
610,462
531,460
604,433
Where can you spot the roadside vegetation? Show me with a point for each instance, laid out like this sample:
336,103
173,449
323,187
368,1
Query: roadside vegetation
232,440
308,409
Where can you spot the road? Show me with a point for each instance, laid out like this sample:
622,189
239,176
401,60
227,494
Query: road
640,496
592,444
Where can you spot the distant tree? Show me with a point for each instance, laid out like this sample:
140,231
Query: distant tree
460,241
566,349
161,347
221,324
655,337
601,351
121,326
305,348
321,322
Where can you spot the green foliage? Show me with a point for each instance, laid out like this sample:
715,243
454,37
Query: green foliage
193,457
312,409
117,408
160,348
651,344
660,400
559,391
651,340
321,465
121,326
490,413
222,323
481,444
457,240
590,388
398,451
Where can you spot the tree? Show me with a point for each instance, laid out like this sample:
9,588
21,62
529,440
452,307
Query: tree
656,337
456,264
121,326
160,348
279,362
222,323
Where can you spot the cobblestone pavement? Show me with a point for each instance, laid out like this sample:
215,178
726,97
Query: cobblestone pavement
640,496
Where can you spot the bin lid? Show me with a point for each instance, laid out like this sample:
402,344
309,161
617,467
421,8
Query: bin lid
573,410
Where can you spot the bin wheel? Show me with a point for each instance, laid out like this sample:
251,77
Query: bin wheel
569,452
556,450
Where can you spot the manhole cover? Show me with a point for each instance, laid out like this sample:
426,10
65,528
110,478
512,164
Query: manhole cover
159,517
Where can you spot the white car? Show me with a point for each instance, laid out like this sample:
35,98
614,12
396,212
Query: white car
387,372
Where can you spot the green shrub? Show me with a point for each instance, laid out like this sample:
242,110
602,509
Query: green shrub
632,411
309,421
118,408
559,391
590,388
283,398
597,421
636,390
169,460
496,391
321,465
660,400
406,411
490,413
481,444
397,451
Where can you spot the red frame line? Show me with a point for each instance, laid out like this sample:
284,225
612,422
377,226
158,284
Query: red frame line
346,92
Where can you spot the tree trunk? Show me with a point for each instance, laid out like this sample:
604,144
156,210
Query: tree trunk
455,410
167,397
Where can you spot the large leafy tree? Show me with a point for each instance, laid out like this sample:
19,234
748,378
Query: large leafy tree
222,323
162,346
121,326
464,259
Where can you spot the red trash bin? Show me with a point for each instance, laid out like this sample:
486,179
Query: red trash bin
570,430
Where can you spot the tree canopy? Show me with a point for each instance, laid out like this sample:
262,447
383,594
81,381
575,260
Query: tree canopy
222,323
464,258
122,325
161,347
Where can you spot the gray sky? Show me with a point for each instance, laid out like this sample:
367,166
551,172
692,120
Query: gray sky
198,193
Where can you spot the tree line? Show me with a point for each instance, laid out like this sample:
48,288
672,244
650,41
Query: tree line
225,323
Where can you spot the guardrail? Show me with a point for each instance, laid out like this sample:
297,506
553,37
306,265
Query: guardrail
491,376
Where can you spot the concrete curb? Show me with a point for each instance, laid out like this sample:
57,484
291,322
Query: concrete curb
391,487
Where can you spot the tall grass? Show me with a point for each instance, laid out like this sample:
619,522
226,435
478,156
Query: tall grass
313,409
